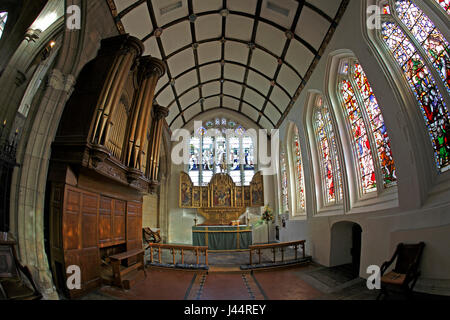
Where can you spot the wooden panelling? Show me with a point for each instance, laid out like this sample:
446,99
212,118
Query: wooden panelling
82,223
80,236
134,225
105,221
119,221
112,222
89,225
71,219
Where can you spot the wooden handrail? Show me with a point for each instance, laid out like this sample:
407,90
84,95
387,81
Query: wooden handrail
274,247
198,251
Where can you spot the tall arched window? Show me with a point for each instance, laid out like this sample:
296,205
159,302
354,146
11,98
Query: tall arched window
284,183
370,139
3,18
299,180
330,170
422,53
222,146
445,4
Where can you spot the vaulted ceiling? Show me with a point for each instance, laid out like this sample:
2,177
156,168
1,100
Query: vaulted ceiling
249,56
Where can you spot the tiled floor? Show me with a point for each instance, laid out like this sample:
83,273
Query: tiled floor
225,281
162,284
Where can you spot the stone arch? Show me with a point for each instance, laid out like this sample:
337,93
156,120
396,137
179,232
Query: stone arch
29,180
346,244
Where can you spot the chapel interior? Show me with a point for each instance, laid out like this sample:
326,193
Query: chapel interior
224,149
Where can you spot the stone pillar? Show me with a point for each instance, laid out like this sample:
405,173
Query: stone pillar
154,150
123,50
30,181
150,71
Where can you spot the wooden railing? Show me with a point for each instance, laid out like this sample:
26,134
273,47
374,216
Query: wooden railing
174,249
281,247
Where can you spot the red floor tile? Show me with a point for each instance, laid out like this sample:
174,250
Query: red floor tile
285,285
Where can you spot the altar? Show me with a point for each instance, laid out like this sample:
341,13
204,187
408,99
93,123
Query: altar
222,238
222,205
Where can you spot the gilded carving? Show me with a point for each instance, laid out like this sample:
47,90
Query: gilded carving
221,202
257,191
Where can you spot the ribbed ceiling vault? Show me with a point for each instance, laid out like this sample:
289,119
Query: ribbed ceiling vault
250,56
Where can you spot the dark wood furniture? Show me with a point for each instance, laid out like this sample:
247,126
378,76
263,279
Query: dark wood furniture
406,272
105,158
13,286
84,224
123,275
151,236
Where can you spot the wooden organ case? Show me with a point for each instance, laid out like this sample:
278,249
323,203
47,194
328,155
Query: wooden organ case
105,157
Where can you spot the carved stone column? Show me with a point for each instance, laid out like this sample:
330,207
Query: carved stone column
150,71
154,150
123,50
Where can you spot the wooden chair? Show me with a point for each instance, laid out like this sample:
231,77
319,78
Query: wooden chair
406,272
150,236
12,284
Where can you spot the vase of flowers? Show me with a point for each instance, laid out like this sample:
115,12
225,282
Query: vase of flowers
267,217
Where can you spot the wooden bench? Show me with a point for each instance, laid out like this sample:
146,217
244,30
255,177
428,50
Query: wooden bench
126,277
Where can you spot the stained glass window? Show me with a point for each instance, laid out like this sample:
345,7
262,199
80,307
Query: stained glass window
418,72
298,173
221,146
370,138
445,4
194,166
284,183
3,18
328,156
428,36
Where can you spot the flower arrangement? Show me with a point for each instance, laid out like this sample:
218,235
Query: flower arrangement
267,215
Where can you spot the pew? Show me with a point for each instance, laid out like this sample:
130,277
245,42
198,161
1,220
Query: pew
126,276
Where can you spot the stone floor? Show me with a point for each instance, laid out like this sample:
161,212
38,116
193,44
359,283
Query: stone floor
225,281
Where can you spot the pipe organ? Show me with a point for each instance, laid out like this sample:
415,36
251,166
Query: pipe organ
105,157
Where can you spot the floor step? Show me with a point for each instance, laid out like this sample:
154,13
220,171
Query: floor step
226,269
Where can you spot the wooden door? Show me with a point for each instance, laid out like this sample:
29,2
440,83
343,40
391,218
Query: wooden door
356,248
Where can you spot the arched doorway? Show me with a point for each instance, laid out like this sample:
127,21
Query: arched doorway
346,246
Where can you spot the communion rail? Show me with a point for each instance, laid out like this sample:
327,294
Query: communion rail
157,249
277,247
